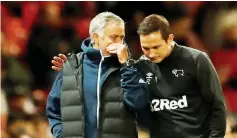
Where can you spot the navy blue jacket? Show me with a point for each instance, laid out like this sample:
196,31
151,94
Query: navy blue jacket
137,95
92,57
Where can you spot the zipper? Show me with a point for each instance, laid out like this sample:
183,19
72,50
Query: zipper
98,91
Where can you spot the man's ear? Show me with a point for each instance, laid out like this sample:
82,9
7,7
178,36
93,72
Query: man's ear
95,38
170,39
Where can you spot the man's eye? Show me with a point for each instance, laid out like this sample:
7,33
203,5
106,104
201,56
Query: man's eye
158,47
113,37
146,48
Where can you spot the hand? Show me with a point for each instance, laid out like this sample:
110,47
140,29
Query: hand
119,49
58,62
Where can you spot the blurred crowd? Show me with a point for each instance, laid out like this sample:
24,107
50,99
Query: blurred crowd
33,32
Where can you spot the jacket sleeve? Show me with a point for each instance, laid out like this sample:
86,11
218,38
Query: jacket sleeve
136,92
53,107
211,91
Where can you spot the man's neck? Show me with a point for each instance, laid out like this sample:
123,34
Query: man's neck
171,48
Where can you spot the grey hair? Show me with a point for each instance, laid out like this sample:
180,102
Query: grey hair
98,23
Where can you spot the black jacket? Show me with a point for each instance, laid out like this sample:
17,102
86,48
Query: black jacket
186,95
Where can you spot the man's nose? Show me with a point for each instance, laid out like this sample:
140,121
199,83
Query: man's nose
151,54
119,40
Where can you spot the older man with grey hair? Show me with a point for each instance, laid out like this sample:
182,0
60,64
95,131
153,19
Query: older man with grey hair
86,100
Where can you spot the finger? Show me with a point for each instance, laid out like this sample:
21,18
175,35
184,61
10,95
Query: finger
56,68
58,59
115,44
112,51
63,57
55,63
110,47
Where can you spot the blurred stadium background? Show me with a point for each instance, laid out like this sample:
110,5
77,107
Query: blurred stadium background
33,32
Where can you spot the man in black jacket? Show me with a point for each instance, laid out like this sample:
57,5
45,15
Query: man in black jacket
186,95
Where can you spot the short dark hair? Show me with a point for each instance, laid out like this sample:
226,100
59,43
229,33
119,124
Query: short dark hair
153,23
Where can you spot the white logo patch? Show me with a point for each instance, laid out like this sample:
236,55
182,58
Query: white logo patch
141,81
149,77
178,72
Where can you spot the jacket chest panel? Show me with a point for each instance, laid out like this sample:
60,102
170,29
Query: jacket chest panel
111,89
174,81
